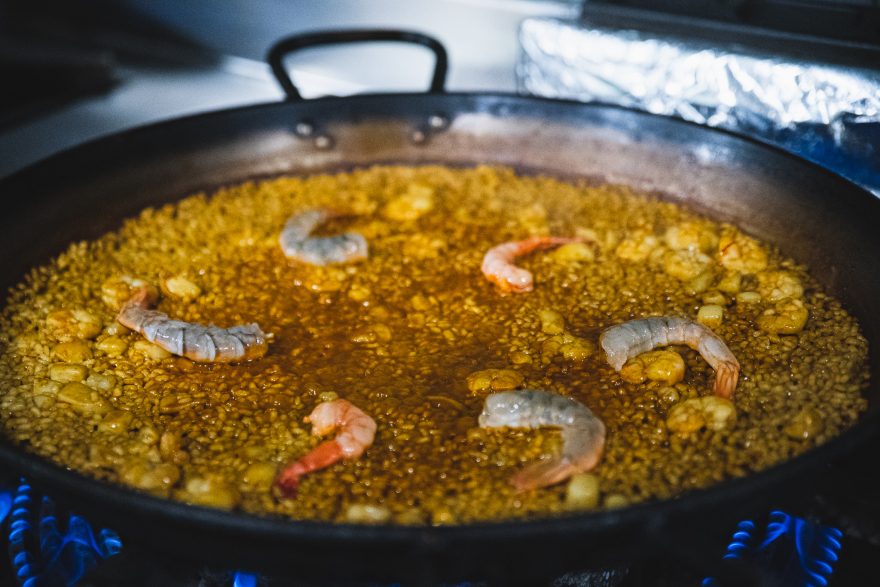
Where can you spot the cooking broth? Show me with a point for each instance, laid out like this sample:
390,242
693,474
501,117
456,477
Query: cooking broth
409,336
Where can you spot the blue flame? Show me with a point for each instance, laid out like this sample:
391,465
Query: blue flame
741,539
739,545
779,525
5,504
810,563
818,548
242,579
49,556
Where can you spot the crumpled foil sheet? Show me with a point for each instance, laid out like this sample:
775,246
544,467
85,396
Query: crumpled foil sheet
827,113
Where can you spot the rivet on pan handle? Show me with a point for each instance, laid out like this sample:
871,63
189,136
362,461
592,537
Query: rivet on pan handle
289,45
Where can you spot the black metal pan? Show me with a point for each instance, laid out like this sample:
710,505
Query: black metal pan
813,215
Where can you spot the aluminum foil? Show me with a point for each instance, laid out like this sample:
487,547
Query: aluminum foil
827,113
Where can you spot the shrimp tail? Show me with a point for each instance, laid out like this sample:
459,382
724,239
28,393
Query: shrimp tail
726,376
544,473
144,297
324,455
288,481
131,313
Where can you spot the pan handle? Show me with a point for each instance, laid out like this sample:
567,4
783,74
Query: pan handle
289,45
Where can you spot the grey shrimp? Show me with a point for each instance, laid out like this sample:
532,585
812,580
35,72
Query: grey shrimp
297,244
583,434
206,344
627,340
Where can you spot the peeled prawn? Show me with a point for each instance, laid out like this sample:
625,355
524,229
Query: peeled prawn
583,434
297,244
498,264
627,340
356,433
207,344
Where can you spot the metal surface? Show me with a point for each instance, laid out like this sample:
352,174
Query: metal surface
812,215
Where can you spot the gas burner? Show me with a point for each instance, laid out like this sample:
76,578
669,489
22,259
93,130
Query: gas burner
42,555
48,548
793,551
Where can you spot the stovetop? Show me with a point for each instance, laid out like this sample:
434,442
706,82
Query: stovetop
49,547
837,528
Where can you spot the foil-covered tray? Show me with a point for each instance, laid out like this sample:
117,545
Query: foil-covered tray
829,113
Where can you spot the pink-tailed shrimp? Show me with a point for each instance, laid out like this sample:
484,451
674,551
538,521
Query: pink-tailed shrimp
498,264
356,431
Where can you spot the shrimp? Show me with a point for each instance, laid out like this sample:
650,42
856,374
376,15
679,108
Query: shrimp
583,434
356,433
498,264
297,244
627,340
207,344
